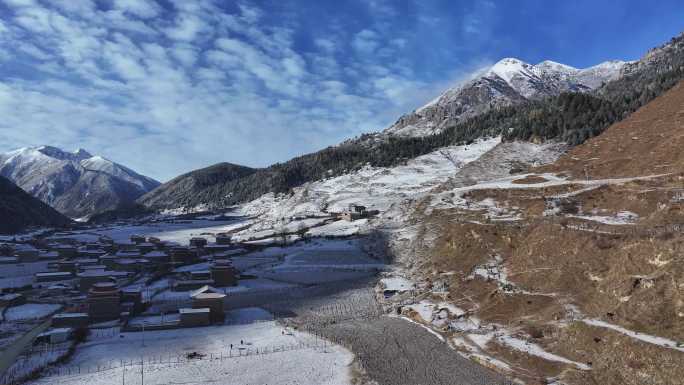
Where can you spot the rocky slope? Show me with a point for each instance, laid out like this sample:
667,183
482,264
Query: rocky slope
77,184
20,210
510,81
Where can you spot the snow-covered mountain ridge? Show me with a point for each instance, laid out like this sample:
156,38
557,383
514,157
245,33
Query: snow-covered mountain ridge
77,183
509,81
392,191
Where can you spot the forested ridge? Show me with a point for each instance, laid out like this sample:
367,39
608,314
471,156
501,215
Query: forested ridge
568,117
20,210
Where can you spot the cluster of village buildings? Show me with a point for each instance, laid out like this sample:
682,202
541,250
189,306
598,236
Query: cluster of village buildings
100,281
103,281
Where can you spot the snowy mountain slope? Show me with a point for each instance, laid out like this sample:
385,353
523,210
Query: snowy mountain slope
377,188
77,184
509,81
393,191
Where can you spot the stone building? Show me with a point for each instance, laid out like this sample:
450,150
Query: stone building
198,242
194,317
212,301
104,302
224,274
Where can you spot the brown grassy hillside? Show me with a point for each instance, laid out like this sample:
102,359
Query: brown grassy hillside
587,248
649,141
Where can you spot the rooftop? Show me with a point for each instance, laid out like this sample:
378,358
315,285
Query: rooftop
194,311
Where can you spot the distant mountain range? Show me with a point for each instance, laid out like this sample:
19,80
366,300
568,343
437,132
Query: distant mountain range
19,210
544,102
509,81
77,184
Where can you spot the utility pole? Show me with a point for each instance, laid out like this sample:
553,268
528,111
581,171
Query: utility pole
142,370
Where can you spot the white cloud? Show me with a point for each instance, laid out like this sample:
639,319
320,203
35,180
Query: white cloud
20,3
141,8
197,86
366,41
187,28
185,54
325,44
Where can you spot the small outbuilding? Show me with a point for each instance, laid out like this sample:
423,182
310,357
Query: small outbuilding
54,336
195,317
53,276
72,320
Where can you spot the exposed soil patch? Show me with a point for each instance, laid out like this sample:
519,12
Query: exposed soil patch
531,179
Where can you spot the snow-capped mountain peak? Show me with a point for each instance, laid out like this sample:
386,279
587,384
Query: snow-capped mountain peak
81,153
509,68
508,81
551,65
76,183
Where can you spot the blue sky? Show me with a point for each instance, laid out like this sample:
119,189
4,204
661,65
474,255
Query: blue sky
168,86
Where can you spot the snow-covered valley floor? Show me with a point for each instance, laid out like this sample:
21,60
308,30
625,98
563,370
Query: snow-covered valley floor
299,358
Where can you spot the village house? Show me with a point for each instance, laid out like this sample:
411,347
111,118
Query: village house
190,284
67,266
125,246
224,274
48,255
146,247
198,242
53,276
73,320
91,252
104,302
90,277
28,254
223,239
216,248
13,299
212,301
137,239
131,264
66,251
182,255
200,274
108,260
195,317
157,257
54,336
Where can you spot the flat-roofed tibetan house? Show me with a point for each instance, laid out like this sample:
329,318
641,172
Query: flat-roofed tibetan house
224,274
53,276
213,301
104,302
195,317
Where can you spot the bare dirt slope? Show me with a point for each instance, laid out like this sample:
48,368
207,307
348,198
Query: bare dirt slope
649,141
564,276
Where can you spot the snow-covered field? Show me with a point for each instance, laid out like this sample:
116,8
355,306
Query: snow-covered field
30,311
297,364
178,231
20,274
318,261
